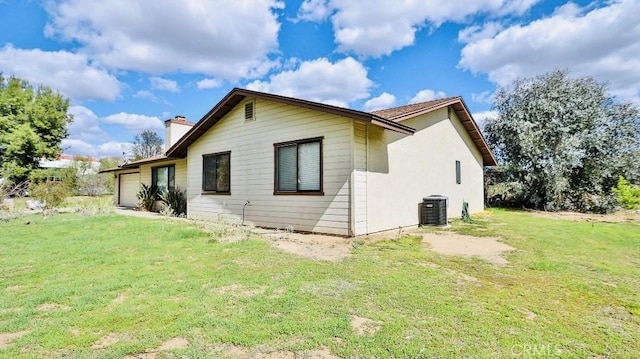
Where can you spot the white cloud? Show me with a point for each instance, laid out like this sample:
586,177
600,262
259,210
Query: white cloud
602,42
227,39
482,97
146,95
106,149
476,32
159,83
427,95
482,116
386,100
208,83
71,74
134,122
85,125
322,81
383,26
314,10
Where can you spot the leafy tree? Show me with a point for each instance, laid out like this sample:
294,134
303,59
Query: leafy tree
565,140
33,123
106,163
146,144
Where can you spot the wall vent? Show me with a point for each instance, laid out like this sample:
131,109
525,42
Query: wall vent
249,111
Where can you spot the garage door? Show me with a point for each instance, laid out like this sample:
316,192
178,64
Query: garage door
129,184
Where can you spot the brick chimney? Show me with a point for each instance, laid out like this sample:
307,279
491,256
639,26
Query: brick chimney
175,128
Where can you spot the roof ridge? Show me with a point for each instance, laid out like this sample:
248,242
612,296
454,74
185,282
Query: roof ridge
418,103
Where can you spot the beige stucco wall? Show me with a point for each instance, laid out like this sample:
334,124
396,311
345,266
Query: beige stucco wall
252,169
401,170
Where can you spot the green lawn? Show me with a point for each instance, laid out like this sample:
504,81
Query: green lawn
110,286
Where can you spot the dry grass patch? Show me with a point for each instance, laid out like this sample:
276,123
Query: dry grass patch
108,340
171,344
7,338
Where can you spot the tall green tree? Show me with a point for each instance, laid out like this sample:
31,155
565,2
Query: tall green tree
565,140
146,144
33,123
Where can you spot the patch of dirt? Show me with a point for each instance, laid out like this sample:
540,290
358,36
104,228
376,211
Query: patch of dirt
616,217
120,298
315,246
528,315
452,244
107,340
322,353
229,350
7,338
14,288
146,355
175,343
171,344
51,307
275,355
234,351
364,326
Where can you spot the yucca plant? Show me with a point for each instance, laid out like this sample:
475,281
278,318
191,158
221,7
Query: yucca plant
147,195
176,200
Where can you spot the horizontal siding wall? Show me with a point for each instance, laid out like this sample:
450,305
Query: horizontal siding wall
404,169
252,169
180,173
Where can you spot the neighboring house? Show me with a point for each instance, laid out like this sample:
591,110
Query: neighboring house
320,168
64,161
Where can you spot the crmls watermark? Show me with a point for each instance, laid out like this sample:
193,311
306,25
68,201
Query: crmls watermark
534,350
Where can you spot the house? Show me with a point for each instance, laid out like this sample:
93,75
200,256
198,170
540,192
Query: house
162,171
86,164
289,163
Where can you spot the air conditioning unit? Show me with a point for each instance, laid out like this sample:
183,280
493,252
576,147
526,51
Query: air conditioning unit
434,211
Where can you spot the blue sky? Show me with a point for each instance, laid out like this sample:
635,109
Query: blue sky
128,65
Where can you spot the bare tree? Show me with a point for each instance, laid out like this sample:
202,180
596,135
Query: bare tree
146,144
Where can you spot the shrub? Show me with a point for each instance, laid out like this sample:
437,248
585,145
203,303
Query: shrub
176,201
147,196
95,205
628,196
51,193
